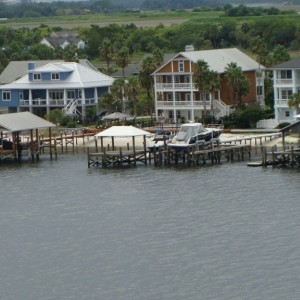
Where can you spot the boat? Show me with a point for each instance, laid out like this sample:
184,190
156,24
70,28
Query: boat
194,134
159,140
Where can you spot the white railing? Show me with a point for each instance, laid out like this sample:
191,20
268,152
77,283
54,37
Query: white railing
175,86
222,109
284,81
282,102
54,102
189,104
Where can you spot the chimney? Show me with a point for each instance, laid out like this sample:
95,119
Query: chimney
189,48
31,66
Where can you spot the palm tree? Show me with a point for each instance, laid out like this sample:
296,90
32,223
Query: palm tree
122,59
118,92
202,81
107,51
237,81
132,90
294,102
148,66
214,85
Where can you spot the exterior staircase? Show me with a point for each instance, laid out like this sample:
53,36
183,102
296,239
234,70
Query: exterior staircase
221,109
71,109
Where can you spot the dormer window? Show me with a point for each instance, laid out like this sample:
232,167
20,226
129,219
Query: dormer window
36,76
55,76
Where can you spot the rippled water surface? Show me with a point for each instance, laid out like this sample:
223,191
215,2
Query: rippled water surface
215,232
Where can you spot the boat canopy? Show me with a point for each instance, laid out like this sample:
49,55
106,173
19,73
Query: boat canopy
187,131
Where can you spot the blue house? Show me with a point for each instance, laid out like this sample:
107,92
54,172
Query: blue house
69,86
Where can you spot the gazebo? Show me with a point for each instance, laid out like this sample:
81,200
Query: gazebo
14,124
112,156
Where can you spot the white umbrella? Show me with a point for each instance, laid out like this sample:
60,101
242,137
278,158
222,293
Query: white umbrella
117,116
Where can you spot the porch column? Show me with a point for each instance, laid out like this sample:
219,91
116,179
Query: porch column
30,100
83,108
47,102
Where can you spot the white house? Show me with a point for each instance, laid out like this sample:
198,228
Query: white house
69,86
286,82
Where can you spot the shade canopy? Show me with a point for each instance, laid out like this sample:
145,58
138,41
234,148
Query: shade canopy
117,116
22,121
122,131
297,116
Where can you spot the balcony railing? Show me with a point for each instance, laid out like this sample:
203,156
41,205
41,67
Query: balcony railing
282,102
52,102
284,81
176,86
189,104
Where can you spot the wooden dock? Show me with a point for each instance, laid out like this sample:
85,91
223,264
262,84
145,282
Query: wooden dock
117,158
287,157
195,156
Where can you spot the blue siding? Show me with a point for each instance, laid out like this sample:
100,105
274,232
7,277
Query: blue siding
14,102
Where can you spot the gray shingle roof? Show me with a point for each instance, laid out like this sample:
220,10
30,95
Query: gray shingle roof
291,64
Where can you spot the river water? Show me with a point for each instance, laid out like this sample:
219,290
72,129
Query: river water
208,232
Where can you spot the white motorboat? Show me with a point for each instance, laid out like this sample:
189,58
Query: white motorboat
194,134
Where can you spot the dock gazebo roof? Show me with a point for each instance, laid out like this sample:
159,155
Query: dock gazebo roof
122,131
16,122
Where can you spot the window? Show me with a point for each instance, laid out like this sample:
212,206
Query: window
287,113
181,66
6,96
56,94
286,74
169,79
54,76
177,78
187,79
187,97
286,94
177,96
36,76
170,96
21,95
71,94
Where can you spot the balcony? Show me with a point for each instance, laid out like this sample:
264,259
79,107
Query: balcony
175,86
182,104
284,81
282,102
54,102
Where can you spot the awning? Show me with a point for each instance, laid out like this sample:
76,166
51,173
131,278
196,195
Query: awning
22,121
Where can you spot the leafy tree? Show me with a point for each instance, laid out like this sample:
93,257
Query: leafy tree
279,55
237,81
294,102
55,116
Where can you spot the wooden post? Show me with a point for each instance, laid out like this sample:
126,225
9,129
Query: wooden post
50,143
96,144
134,154
145,148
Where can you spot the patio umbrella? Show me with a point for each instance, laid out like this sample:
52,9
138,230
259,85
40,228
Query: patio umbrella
117,116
